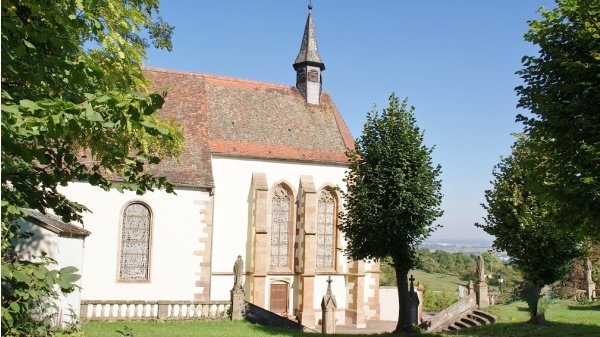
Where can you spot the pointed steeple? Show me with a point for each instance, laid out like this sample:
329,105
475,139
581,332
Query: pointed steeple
308,64
309,50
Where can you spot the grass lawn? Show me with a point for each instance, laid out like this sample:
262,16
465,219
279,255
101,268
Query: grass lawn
438,282
565,319
198,329
223,328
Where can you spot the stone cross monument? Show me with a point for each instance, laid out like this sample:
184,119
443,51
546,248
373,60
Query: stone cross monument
413,299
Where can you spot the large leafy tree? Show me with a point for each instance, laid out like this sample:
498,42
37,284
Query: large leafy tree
522,225
562,91
75,106
393,195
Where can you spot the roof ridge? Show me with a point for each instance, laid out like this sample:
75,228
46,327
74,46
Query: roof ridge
218,77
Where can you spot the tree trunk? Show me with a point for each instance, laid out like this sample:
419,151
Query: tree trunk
404,324
539,319
532,297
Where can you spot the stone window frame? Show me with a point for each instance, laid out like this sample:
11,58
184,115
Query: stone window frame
336,232
119,241
291,230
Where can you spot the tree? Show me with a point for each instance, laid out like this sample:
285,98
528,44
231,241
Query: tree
393,195
577,278
75,106
521,223
562,91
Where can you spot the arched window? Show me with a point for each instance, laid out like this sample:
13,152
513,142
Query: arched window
281,215
134,257
326,227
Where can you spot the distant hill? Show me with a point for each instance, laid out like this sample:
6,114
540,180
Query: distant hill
475,247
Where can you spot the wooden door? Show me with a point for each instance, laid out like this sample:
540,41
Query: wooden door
279,298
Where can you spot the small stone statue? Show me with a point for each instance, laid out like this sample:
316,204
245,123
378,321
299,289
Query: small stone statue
238,271
588,270
481,269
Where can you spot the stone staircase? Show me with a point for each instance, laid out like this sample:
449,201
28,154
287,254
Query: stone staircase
471,319
463,314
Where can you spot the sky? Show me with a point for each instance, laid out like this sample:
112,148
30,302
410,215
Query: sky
455,61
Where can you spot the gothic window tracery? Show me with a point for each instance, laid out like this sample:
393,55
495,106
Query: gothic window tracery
326,220
135,243
280,227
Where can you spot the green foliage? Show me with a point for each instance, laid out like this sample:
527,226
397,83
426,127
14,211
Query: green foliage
438,301
577,276
75,106
393,195
447,263
387,274
29,291
562,91
70,113
519,221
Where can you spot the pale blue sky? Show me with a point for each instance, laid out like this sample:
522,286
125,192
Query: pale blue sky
454,60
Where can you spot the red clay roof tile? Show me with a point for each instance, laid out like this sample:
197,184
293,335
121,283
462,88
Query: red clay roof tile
238,117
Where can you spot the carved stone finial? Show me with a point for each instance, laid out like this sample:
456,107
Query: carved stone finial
329,280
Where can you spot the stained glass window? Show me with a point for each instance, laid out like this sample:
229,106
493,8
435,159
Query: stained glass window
280,227
135,243
326,215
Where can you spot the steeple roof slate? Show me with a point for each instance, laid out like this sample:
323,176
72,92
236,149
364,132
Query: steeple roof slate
309,51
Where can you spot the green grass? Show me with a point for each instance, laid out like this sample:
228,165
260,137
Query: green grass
437,282
565,318
223,328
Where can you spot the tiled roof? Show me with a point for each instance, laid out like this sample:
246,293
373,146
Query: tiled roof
56,225
237,117
185,102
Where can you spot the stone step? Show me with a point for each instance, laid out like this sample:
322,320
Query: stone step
479,319
472,319
491,318
470,322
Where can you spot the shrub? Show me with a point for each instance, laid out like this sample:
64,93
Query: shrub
438,301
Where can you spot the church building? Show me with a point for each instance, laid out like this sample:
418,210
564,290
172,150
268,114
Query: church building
258,179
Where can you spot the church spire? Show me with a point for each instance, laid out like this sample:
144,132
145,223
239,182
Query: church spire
308,64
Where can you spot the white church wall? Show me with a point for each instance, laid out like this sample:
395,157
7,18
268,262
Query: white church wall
338,288
177,227
233,178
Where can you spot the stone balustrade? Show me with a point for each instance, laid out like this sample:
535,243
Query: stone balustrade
153,310
493,297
